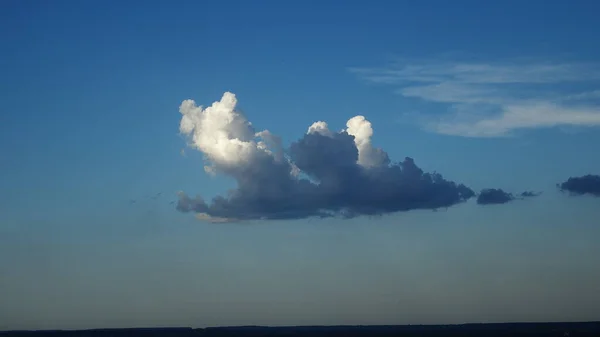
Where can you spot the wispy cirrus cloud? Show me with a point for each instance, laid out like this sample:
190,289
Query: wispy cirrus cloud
494,99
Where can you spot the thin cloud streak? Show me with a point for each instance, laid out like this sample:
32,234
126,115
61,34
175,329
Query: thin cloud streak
523,115
489,100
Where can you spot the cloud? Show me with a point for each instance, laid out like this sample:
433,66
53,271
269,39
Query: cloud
494,99
529,194
361,130
594,94
522,115
323,174
588,184
491,196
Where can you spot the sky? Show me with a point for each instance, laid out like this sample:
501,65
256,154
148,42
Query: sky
205,163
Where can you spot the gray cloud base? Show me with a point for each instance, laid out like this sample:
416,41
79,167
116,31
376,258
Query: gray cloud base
335,185
587,184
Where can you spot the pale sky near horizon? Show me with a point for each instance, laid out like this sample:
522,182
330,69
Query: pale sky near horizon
97,140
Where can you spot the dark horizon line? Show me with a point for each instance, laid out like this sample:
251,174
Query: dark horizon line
183,328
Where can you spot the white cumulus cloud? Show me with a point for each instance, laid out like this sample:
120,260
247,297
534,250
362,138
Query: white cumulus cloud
322,174
362,131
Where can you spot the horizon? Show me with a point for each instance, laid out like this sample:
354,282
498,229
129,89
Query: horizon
305,326
300,163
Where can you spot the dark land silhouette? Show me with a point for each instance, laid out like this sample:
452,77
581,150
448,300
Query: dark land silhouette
474,330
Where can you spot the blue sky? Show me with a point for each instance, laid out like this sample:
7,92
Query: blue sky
501,95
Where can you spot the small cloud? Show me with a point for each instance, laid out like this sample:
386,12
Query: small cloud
182,152
208,218
588,184
529,194
490,196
